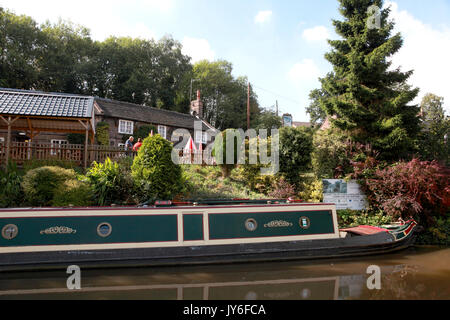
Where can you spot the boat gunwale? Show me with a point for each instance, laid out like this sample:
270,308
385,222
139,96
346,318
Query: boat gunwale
127,208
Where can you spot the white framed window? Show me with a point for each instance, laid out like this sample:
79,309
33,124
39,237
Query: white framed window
2,140
56,146
126,127
162,130
201,137
121,145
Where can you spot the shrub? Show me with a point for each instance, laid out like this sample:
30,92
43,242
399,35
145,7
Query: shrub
109,183
351,218
311,190
413,189
11,194
221,148
296,145
144,131
282,189
102,133
39,185
66,164
156,175
252,173
329,153
73,193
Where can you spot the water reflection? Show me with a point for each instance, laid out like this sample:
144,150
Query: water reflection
419,273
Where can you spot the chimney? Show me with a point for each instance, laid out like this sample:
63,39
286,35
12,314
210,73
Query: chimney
197,106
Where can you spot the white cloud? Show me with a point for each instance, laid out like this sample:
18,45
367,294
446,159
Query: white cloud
263,17
103,18
425,50
198,49
304,77
304,72
316,34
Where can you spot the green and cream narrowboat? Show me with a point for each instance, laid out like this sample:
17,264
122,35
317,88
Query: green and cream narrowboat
169,233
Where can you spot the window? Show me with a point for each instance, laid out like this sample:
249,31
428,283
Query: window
2,140
56,145
201,137
126,127
162,130
121,145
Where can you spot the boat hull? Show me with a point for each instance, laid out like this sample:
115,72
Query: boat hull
126,237
381,243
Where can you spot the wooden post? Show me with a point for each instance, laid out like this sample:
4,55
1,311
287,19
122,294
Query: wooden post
86,141
248,107
9,122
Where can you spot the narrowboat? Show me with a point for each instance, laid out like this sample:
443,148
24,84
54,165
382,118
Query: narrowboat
188,233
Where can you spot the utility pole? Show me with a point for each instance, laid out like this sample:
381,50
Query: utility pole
248,107
277,107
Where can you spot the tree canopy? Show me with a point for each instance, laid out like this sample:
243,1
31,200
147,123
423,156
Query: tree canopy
364,96
62,57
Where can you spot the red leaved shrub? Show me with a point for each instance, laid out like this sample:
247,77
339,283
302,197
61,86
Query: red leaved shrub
282,189
418,189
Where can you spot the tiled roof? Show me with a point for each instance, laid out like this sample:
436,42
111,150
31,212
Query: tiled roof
134,112
35,103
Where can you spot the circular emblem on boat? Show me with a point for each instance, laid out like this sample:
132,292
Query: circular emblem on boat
305,223
251,224
10,231
104,229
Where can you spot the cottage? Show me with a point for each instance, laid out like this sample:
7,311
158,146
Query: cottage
39,125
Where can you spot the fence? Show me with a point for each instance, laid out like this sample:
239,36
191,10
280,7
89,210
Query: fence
23,151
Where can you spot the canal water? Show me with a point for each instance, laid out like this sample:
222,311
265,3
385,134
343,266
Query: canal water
416,273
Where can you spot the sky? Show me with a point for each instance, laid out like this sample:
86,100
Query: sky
278,44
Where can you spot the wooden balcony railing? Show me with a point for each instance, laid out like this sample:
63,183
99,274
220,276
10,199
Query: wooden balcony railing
22,152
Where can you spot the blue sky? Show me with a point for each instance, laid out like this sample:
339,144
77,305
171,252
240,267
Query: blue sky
279,45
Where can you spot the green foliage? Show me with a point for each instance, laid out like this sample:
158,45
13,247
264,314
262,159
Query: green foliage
11,194
329,153
431,143
39,185
227,150
73,193
224,97
363,96
311,189
268,120
296,145
315,111
144,131
438,234
351,218
252,173
156,175
66,164
110,183
102,133
207,183
76,138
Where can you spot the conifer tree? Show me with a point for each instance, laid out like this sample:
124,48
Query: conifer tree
363,96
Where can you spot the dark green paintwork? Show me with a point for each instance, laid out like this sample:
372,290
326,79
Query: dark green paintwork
232,225
193,227
125,229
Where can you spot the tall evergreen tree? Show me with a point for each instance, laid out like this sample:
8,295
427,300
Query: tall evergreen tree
363,96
